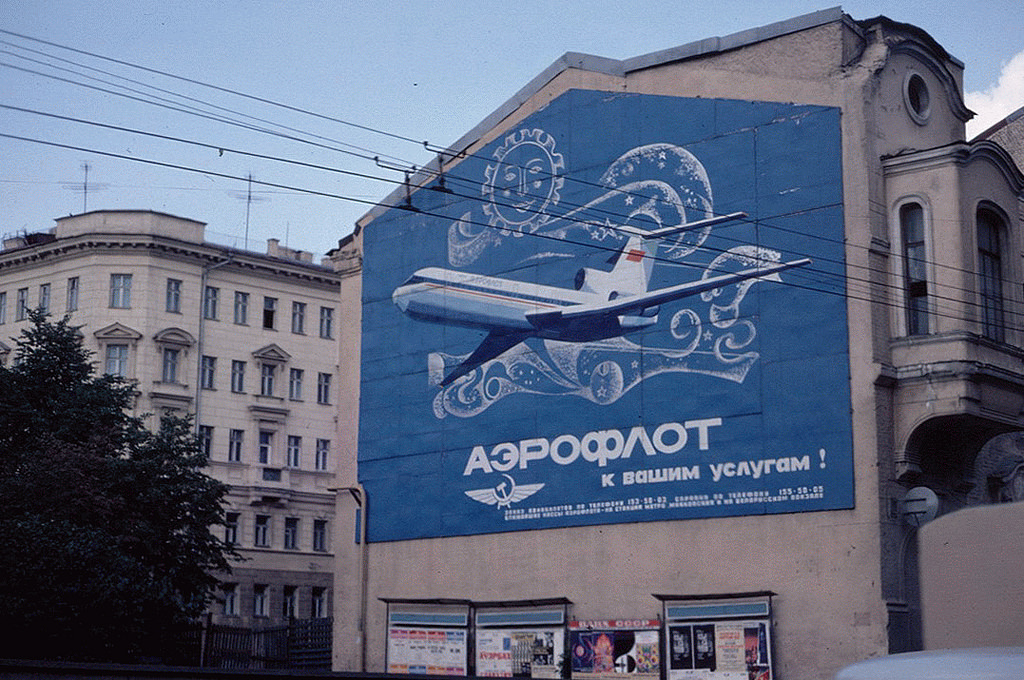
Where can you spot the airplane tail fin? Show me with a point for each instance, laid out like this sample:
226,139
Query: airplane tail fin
630,274
634,265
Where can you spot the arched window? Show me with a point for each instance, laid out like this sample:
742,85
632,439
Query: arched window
915,268
990,273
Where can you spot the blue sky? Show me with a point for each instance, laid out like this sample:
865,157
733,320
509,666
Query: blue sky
412,70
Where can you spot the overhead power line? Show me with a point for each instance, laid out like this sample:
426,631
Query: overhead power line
367,154
817,281
469,183
218,88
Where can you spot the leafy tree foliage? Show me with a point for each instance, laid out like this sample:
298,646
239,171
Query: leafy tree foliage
105,541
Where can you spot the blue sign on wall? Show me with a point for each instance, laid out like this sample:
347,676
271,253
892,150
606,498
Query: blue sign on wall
627,308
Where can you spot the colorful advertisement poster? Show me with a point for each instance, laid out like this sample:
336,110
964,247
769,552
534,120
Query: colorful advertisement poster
617,317
603,652
427,651
509,653
725,650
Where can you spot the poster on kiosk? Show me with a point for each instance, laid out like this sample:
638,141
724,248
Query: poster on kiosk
517,640
608,650
719,639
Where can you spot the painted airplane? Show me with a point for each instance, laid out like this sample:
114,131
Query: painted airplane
604,304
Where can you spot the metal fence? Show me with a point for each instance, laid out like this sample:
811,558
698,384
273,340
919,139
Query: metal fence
302,643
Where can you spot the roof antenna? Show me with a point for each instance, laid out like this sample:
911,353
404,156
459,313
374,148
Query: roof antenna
84,186
249,199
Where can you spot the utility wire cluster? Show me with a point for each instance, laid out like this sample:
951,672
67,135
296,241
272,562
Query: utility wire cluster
855,282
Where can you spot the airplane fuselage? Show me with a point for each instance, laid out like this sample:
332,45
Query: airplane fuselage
501,305
603,304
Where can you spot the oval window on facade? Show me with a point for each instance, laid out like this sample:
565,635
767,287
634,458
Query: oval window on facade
917,98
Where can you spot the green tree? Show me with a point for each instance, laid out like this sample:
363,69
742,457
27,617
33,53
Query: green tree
105,525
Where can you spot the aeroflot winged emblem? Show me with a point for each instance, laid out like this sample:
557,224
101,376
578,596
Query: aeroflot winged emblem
505,493
604,304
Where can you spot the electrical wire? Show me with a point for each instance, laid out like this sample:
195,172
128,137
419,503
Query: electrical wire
865,297
367,154
205,145
449,176
218,88
614,250
473,184
189,110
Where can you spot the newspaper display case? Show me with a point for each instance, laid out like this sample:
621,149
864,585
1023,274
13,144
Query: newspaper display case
718,637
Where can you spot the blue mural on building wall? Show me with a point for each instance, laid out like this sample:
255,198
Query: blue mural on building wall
612,315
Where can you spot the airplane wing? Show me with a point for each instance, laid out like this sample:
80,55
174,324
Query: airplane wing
689,226
637,303
493,345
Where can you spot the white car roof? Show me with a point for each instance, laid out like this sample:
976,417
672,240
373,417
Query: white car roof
983,663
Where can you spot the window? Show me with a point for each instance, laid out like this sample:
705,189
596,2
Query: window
294,447
44,298
916,98
205,439
290,610
298,317
915,274
237,376
207,372
261,537
295,384
323,449
326,322
990,273
72,301
291,533
266,449
267,379
323,388
3,307
22,309
241,308
236,438
318,604
231,528
121,291
210,302
269,308
320,535
259,599
230,591
170,367
116,360
173,302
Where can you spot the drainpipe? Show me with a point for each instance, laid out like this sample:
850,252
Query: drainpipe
207,268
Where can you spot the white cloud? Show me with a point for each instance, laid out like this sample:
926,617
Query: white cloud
998,101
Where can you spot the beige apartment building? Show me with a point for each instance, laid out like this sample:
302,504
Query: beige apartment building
581,455
244,341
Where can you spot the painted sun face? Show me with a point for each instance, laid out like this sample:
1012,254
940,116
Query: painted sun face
525,181
525,177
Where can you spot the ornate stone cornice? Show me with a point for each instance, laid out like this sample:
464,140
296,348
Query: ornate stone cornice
197,253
